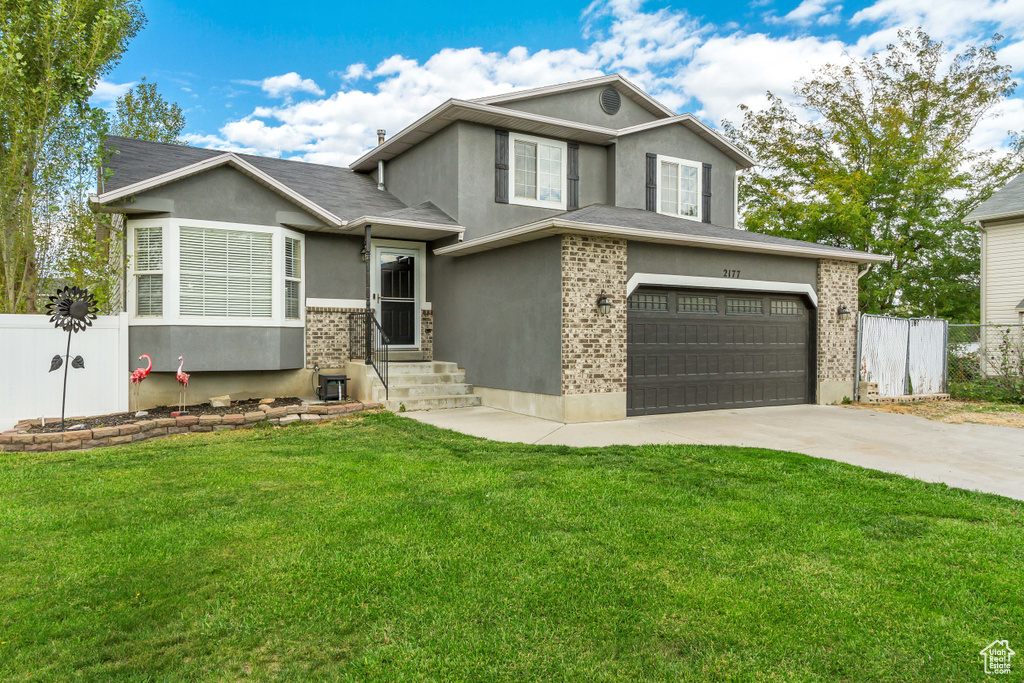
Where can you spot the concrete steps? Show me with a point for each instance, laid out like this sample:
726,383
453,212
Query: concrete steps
425,385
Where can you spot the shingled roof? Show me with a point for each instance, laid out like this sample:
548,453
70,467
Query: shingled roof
1005,203
343,192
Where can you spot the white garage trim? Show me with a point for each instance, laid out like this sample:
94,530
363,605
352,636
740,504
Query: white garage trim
666,280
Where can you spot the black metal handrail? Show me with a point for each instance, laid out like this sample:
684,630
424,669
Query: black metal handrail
378,349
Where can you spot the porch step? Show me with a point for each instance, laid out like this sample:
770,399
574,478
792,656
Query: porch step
432,402
425,385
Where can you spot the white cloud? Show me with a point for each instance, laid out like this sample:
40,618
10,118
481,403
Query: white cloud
822,12
286,84
106,92
685,62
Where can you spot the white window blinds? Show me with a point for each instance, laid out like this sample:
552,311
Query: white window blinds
149,281
292,277
226,273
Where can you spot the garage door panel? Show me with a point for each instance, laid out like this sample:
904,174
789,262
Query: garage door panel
693,354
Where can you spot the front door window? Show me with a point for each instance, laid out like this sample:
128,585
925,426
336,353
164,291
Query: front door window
398,297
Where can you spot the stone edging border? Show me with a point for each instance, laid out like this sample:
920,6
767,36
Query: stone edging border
19,440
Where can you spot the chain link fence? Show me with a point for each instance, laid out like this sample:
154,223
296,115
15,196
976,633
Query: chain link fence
986,362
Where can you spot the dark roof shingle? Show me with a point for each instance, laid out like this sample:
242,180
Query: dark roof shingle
1007,201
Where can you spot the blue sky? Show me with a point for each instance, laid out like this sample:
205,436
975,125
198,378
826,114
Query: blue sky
314,80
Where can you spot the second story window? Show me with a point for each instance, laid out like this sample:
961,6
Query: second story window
538,172
679,187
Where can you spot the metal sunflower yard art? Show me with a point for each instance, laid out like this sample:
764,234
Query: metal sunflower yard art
71,309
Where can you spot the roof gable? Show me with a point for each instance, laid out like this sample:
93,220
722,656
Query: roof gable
1005,203
624,86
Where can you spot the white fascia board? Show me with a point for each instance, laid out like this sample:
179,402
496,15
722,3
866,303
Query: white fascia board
693,122
555,226
228,158
695,282
653,105
978,218
363,221
451,109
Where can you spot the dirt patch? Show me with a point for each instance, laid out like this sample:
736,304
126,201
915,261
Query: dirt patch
957,412
119,419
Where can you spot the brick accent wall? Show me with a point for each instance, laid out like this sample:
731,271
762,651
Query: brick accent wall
335,336
427,334
593,345
328,332
837,341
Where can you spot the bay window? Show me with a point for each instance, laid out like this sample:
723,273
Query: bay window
188,272
538,174
679,187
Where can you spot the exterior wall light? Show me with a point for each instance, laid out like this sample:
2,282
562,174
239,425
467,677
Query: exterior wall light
843,313
365,254
603,304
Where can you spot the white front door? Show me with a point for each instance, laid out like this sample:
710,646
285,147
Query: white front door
397,278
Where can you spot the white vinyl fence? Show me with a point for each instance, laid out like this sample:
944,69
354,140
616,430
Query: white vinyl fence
903,356
28,390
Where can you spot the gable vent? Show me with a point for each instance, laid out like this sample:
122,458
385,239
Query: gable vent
610,100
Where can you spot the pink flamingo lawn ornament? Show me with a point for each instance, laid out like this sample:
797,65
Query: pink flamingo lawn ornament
182,378
140,374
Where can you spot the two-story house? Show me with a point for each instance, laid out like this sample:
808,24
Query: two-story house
570,252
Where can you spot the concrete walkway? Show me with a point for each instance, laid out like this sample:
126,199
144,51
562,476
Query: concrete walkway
978,457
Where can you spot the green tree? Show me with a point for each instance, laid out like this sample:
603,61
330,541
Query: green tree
878,155
52,54
144,114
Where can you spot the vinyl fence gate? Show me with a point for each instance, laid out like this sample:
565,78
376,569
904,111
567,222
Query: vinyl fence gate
903,356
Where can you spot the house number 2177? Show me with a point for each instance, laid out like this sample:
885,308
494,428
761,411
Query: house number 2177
730,273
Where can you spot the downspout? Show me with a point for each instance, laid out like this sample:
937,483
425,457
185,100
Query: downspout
369,309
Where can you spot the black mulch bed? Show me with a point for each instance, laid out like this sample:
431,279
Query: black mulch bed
163,411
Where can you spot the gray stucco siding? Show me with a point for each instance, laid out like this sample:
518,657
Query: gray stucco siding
498,314
675,141
584,106
208,348
481,215
645,257
334,267
428,172
225,194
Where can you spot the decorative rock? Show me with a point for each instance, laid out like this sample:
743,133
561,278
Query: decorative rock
264,406
74,428
220,401
265,401
141,413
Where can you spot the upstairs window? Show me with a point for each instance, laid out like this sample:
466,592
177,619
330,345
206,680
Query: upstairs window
679,187
538,175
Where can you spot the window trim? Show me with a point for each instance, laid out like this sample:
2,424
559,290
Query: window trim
661,158
172,275
563,176
132,249
287,278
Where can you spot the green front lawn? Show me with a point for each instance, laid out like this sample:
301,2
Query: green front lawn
378,548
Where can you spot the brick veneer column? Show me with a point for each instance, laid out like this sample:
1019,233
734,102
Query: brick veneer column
593,345
837,340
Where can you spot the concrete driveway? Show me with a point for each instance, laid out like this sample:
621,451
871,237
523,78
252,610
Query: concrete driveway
978,457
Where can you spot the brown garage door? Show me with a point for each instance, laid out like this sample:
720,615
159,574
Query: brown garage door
701,349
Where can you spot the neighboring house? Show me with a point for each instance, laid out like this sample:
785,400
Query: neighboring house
485,235
1001,221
